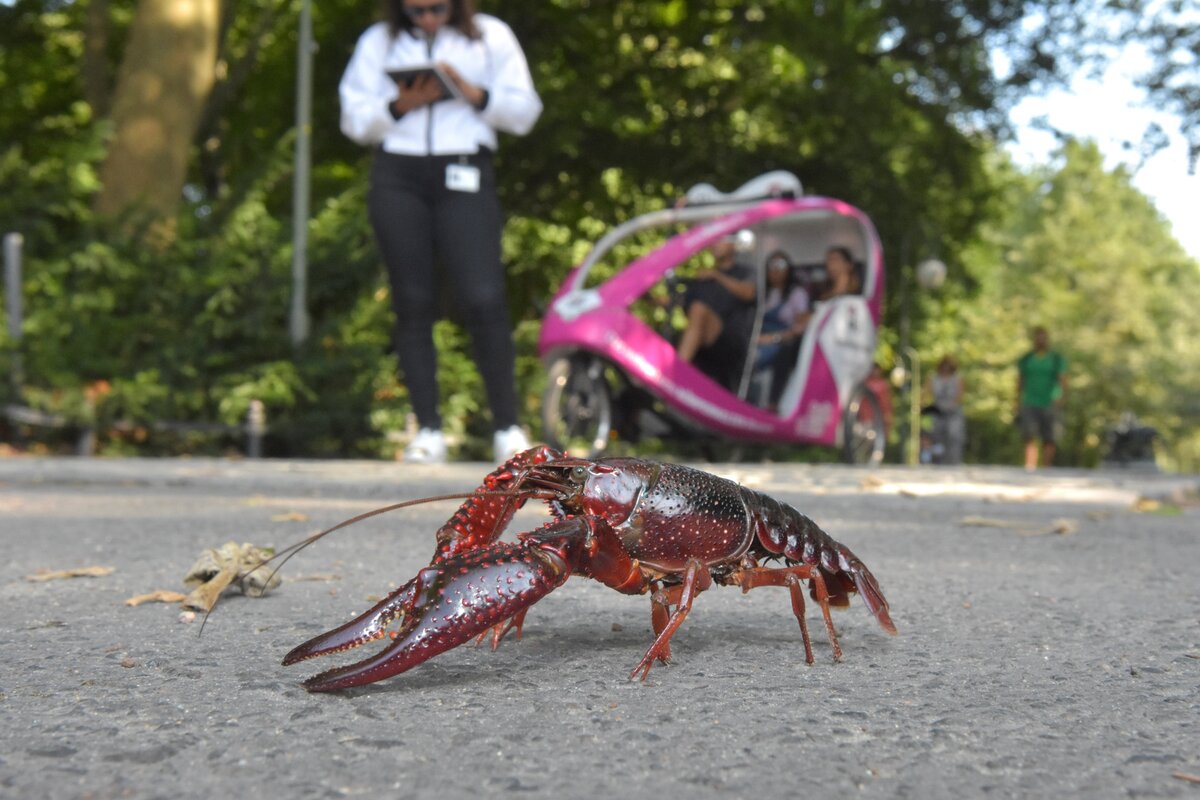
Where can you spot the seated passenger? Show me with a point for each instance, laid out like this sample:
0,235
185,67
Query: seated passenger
843,280
717,304
786,300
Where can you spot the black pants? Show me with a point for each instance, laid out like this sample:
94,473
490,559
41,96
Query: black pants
421,225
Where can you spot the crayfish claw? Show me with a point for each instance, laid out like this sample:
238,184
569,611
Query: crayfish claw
367,627
481,518
444,606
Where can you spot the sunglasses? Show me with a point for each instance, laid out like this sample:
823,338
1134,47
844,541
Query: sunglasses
436,9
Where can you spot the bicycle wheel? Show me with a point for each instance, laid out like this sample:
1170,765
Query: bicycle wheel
864,436
577,406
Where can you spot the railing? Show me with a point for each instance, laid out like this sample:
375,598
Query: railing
253,429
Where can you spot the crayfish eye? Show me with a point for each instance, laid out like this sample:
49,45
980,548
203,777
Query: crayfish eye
579,474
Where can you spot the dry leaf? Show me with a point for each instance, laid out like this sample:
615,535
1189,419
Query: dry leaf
991,522
1064,526
290,516
870,482
217,568
204,596
158,596
1061,526
78,572
1146,504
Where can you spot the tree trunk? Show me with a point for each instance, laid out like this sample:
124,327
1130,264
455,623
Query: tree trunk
164,81
96,75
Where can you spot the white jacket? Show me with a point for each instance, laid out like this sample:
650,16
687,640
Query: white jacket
494,62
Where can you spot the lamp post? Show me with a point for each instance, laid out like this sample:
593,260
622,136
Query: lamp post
13,242
928,275
298,321
914,405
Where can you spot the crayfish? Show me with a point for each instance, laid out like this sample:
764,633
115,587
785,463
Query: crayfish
638,526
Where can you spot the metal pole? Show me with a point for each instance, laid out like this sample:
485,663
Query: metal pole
256,428
13,302
914,406
298,321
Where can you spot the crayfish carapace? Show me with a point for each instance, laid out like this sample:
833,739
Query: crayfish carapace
638,526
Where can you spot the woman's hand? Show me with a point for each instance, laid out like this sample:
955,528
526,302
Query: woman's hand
421,92
470,92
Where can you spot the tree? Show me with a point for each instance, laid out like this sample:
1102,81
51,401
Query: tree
891,105
1171,33
1082,252
165,78
1064,37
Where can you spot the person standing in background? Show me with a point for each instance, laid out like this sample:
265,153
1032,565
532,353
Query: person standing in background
1041,389
949,422
432,199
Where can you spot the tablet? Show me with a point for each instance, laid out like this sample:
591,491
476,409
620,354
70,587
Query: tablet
406,75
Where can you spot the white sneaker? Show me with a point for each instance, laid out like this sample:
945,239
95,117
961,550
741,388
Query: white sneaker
508,442
427,447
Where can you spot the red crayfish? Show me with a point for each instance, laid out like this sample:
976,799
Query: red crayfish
637,526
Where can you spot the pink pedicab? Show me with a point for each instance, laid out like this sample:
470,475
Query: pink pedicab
614,375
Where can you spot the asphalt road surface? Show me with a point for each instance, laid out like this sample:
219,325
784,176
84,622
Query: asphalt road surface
1049,646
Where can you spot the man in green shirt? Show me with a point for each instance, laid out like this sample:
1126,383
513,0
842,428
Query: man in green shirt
1041,387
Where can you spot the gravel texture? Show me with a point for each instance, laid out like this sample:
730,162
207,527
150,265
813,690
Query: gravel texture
1049,646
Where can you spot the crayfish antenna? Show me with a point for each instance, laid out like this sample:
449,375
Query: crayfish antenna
292,549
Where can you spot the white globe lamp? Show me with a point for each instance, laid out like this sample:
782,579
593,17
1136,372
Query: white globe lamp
931,273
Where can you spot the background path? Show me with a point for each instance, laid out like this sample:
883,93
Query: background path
1049,646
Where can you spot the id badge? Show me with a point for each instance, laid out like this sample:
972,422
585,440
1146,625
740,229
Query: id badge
462,178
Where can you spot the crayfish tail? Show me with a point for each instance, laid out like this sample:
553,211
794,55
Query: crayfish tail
872,595
783,530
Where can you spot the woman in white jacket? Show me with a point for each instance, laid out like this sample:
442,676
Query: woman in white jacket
432,200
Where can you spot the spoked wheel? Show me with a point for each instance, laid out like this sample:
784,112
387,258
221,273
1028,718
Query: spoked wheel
864,436
577,406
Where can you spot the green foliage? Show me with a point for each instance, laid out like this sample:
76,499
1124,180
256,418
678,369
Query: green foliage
887,105
1082,253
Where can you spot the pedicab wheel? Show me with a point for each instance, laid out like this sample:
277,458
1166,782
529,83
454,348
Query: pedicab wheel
864,436
577,406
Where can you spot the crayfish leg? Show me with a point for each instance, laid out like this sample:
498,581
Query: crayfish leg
793,578
695,580
498,632
660,614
